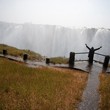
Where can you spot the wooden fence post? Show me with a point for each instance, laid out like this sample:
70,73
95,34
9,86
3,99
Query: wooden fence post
25,57
71,59
5,52
47,60
106,61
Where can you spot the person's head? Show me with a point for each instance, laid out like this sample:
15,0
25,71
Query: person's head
92,48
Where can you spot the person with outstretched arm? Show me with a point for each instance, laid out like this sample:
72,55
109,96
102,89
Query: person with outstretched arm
91,53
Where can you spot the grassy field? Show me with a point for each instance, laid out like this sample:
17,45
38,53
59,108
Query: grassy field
59,60
104,90
17,52
24,88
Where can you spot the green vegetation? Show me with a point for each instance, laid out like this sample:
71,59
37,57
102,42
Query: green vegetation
104,91
19,53
24,88
59,60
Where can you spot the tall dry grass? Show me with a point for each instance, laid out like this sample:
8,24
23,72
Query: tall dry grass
59,60
19,53
104,91
23,88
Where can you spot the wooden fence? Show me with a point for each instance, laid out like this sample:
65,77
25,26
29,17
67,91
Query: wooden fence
73,54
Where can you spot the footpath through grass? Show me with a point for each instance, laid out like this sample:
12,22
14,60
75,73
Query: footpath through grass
104,90
23,88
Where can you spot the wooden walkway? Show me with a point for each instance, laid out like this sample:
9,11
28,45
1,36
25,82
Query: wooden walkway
90,98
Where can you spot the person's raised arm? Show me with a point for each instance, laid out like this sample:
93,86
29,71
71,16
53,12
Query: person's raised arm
87,46
98,48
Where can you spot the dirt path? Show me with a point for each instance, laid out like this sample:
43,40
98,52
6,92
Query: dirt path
90,98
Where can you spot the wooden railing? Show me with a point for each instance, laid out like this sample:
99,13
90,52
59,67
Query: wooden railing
101,54
72,59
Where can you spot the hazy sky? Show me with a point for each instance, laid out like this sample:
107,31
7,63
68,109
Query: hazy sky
77,13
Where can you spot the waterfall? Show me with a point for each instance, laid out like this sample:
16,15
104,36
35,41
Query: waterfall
51,40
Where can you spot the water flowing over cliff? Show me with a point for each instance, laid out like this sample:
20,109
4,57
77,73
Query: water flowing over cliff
51,40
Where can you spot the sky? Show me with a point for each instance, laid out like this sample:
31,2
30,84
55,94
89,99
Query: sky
72,13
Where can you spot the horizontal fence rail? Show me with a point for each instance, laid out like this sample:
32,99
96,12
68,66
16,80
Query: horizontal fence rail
100,54
80,60
82,53
94,53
